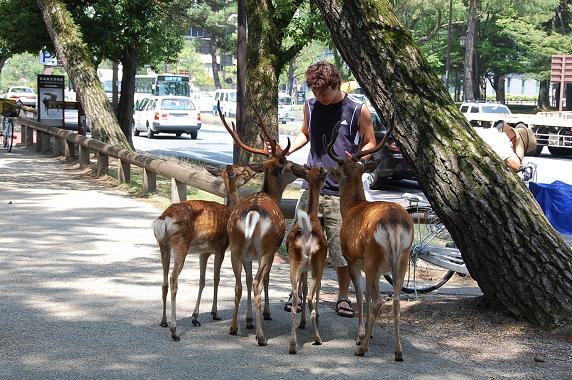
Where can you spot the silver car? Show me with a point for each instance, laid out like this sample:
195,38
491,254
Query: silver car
166,114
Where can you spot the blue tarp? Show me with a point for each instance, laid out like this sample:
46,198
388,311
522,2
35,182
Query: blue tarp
556,201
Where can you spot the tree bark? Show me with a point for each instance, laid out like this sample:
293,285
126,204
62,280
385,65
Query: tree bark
544,95
214,64
72,52
469,80
499,87
129,61
520,263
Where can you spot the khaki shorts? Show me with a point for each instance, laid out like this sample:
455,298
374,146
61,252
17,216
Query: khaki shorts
331,220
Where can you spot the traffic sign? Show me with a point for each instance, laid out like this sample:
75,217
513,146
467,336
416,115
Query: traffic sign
48,59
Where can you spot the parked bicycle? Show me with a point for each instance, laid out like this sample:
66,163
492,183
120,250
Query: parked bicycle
434,258
8,110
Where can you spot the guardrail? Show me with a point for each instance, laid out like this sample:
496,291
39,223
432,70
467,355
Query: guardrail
60,142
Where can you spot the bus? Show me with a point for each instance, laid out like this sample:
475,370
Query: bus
161,84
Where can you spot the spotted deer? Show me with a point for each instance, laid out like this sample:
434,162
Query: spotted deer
307,249
256,228
375,237
197,227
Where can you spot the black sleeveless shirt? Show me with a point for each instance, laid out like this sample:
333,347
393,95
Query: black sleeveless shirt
321,121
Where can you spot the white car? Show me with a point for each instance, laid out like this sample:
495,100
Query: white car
23,93
166,114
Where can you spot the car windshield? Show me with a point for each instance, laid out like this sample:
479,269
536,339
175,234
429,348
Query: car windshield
23,89
177,104
497,108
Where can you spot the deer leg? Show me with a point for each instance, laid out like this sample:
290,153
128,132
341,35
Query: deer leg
266,313
294,275
398,273
248,270
314,299
376,304
237,269
304,285
218,259
203,258
165,262
355,274
177,267
263,270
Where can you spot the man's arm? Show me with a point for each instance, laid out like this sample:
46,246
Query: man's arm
366,130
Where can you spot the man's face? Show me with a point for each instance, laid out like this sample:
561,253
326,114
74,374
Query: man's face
327,96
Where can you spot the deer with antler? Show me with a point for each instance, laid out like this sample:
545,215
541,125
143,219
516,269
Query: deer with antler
197,227
256,227
375,237
307,249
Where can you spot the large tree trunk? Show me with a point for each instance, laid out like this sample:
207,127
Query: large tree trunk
499,87
129,62
214,64
520,263
544,95
71,51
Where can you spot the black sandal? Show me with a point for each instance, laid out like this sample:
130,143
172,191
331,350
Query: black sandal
342,311
288,304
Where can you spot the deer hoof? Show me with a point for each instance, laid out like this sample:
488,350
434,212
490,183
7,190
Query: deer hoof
216,317
318,341
302,325
292,349
174,335
163,324
233,330
262,341
359,352
398,356
267,316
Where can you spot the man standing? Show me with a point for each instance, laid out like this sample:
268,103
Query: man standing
329,106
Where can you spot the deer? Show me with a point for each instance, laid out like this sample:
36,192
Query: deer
375,237
197,227
307,249
256,227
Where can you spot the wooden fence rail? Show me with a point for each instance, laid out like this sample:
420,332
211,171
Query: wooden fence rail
62,142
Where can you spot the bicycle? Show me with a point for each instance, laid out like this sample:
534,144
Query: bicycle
434,258
8,110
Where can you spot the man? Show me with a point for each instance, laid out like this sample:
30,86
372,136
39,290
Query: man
321,114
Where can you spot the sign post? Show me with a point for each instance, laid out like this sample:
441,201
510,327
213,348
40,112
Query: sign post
50,89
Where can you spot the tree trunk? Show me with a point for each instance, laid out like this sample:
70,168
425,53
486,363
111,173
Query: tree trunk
129,62
544,95
71,51
261,76
240,75
520,263
214,64
499,87
468,82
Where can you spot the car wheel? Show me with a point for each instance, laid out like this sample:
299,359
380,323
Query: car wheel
178,134
194,134
136,132
150,133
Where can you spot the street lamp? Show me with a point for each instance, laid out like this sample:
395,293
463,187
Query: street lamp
463,40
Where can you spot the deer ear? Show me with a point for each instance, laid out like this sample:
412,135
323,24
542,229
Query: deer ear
257,167
370,166
299,170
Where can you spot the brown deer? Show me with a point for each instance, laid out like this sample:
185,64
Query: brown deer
256,227
197,227
375,237
307,248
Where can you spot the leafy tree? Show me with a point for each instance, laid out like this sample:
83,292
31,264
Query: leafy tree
72,51
518,260
216,18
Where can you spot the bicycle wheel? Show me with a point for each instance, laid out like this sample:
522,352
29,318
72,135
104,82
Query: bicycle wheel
431,241
8,128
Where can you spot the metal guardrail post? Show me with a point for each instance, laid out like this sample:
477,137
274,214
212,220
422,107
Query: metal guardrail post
178,191
123,171
149,181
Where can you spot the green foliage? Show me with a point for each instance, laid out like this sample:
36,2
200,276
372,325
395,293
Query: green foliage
189,59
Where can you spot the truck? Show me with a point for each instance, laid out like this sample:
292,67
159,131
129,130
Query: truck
552,129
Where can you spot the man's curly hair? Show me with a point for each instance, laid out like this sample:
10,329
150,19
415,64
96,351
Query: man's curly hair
322,75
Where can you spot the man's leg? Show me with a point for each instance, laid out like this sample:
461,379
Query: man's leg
332,220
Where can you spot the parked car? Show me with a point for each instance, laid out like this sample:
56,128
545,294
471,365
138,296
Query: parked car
227,99
166,114
392,163
23,93
285,108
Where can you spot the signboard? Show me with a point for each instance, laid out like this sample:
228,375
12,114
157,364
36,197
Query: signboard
561,72
50,89
300,97
48,59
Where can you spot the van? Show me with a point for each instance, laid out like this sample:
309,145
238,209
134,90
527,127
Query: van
227,100
285,108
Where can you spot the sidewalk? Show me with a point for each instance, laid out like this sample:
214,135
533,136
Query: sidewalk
80,275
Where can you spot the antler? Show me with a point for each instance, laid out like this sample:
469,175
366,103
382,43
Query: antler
235,136
391,123
273,142
330,146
